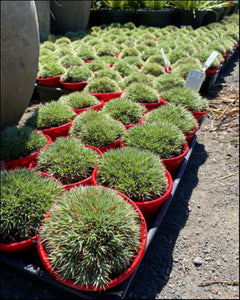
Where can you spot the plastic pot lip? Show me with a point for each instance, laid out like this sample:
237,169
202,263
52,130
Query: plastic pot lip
47,78
47,130
95,107
190,134
181,156
18,246
134,124
17,162
120,278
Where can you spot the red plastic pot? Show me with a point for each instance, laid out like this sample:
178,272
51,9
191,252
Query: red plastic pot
172,164
73,86
50,81
212,71
96,107
58,131
107,96
169,70
66,187
114,282
134,124
190,135
151,106
25,161
198,114
148,208
225,55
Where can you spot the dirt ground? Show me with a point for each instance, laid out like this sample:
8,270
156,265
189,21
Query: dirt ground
195,252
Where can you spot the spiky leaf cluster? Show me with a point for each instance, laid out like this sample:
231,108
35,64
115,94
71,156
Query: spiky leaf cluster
102,85
203,56
167,82
123,110
26,197
141,93
173,114
17,142
138,174
124,68
176,54
161,138
86,54
63,50
68,160
137,77
51,114
97,64
107,49
108,72
134,60
182,70
71,60
76,74
63,41
153,69
188,98
100,239
96,128
129,51
50,69
79,100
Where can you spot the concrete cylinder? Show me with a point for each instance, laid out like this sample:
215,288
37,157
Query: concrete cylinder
19,58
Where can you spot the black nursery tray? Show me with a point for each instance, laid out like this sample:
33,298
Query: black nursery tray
31,264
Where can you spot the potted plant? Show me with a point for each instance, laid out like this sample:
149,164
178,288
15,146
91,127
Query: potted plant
161,138
182,70
154,69
128,112
71,60
52,118
176,54
124,68
63,50
129,51
137,77
63,41
97,129
69,161
203,55
86,53
140,175
143,94
20,145
167,82
108,72
188,98
49,74
75,78
107,50
26,197
81,101
177,115
97,64
134,60
103,88
112,246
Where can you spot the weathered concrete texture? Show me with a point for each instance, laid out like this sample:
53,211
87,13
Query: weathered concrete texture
70,15
19,58
43,13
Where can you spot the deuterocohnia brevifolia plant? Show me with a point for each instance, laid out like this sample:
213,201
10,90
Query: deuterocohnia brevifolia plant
50,69
79,99
26,197
93,240
102,85
76,74
17,142
167,82
68,160
138,174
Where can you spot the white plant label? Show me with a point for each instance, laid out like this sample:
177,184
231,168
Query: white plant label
210,60
194,80
131,43
165,59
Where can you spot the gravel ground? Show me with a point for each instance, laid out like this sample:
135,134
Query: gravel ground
195,251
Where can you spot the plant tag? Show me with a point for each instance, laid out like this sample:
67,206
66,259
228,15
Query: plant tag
210,60
182,26
165,59
131,43
194,80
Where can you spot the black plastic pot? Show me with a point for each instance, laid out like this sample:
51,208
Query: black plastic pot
108,16
156,18
187,17
213,16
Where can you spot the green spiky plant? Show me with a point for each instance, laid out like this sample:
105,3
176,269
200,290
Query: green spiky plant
138,174
109,59
63,40
123,110
167,82
46,59
108,72
103,251
68,160
157,58
71,60
161,138
182,70
129,52
204,55
141,93
63,50
97,64
102,85
96,128
153,69
174,114
134,60
45,51
137,77
49,115
78,100
17,142
148,52
86,53
26,197
124,68
186,60
77,74
107,49
175,55
50,69
186,97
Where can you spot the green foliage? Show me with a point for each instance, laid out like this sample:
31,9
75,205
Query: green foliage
148,52
188,98
176,54
155,4
141,93
78,100
153,69
71,60
203,56
86,54
197,5
109,59
167,82
177,115
67,160
137,77
26,197
102,85
97,64
50,69
123,110
63,50
45,51
17,142
124,68
161,138
133,60
182,70
101,235
96,128
158,59
49,115
63,40
129,52
107,49
137,174
108,72
76,74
